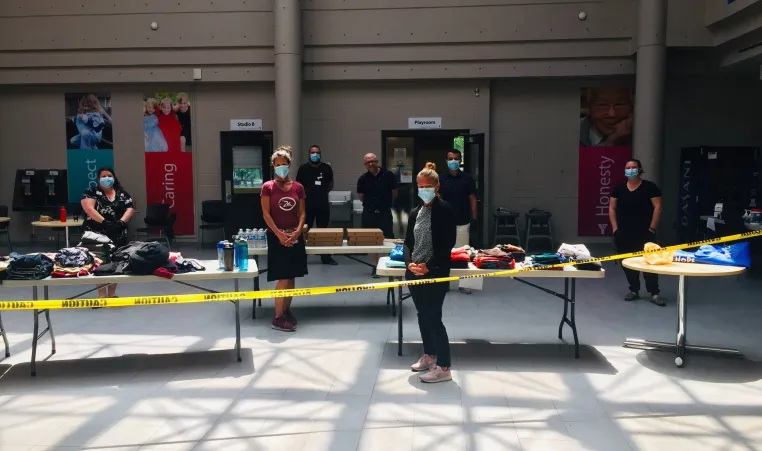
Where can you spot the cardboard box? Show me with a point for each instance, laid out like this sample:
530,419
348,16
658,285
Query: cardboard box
325,237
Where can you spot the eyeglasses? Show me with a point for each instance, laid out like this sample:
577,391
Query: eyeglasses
618,107
371,162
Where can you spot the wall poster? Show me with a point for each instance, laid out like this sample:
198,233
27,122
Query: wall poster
605,145
168,156
89,140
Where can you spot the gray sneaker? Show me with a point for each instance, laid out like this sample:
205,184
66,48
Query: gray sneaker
632,296
656,299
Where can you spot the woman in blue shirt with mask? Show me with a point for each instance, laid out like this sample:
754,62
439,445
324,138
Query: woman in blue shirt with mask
429,241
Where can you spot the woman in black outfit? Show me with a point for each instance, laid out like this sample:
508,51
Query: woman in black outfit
429,241
108,208
634,212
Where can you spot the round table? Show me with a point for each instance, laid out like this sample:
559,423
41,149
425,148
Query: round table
59,224
682,270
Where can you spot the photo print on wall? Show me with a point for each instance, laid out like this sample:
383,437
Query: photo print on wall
89,139
168,156
605,145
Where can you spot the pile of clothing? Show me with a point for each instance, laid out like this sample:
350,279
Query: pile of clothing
74,262
396,257
499,257
29,267
147,258
461,257
565,254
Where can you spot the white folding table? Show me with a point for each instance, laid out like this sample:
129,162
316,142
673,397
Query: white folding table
350,252
212,272
570,275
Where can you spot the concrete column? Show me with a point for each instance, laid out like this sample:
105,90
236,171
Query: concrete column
650,78
288,75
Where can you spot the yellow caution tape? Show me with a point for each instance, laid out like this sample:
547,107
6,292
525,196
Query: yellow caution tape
315,291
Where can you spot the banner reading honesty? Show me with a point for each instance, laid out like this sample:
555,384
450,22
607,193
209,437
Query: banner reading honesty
168,156
89,140
605,145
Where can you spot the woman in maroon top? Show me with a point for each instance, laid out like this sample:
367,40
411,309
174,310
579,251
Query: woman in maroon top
283,211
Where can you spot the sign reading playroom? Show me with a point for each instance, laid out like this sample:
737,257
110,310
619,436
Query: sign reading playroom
424,122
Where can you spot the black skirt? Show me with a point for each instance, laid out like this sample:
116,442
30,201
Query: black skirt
285,263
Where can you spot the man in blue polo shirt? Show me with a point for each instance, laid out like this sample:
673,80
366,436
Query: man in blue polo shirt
377,189
459,190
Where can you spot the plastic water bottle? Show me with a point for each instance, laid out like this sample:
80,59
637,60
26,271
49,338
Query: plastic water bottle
252,239
221,254
242,255
238,235
263,238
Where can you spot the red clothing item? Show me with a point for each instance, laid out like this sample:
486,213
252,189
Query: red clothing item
460,255
284,205
170,127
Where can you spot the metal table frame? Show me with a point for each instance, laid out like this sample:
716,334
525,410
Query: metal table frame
315,250
37,335
680,345
569,317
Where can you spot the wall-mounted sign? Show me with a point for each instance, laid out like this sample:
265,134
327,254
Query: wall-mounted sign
245,124
424,122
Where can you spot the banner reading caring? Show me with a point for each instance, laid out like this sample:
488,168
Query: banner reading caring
89,140
605,145
168,156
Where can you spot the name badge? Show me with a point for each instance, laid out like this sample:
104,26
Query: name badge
318,182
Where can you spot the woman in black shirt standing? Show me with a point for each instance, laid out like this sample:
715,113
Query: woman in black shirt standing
429,240
634,212
108,208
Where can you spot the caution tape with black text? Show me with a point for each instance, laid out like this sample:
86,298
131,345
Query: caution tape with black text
315,291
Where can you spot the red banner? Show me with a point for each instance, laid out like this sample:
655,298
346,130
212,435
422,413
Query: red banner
600,170
169,180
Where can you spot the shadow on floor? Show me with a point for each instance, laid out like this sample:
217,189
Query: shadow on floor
327,311
109,371
518,357
703,368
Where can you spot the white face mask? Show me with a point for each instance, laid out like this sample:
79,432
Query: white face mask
427,194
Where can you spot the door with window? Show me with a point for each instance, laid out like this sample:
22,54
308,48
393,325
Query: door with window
244,166
473,163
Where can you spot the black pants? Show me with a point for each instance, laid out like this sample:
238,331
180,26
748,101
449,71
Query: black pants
373,219
320,216
634,242
428,300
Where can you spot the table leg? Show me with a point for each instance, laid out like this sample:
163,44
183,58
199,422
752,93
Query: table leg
399,324
66,231
256,288
566,310
35,336
680,347
573,319
50,325
5,338
237,323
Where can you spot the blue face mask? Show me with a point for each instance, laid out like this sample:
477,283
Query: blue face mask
281,171
315,157
426,194
453,165
631,173
107,182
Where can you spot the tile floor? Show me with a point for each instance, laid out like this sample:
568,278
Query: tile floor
165,379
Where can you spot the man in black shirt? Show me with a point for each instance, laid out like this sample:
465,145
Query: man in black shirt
459,190
377,189
317,179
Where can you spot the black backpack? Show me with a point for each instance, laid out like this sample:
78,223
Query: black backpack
141,258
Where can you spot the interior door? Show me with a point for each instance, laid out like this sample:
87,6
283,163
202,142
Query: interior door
473,163
244,166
